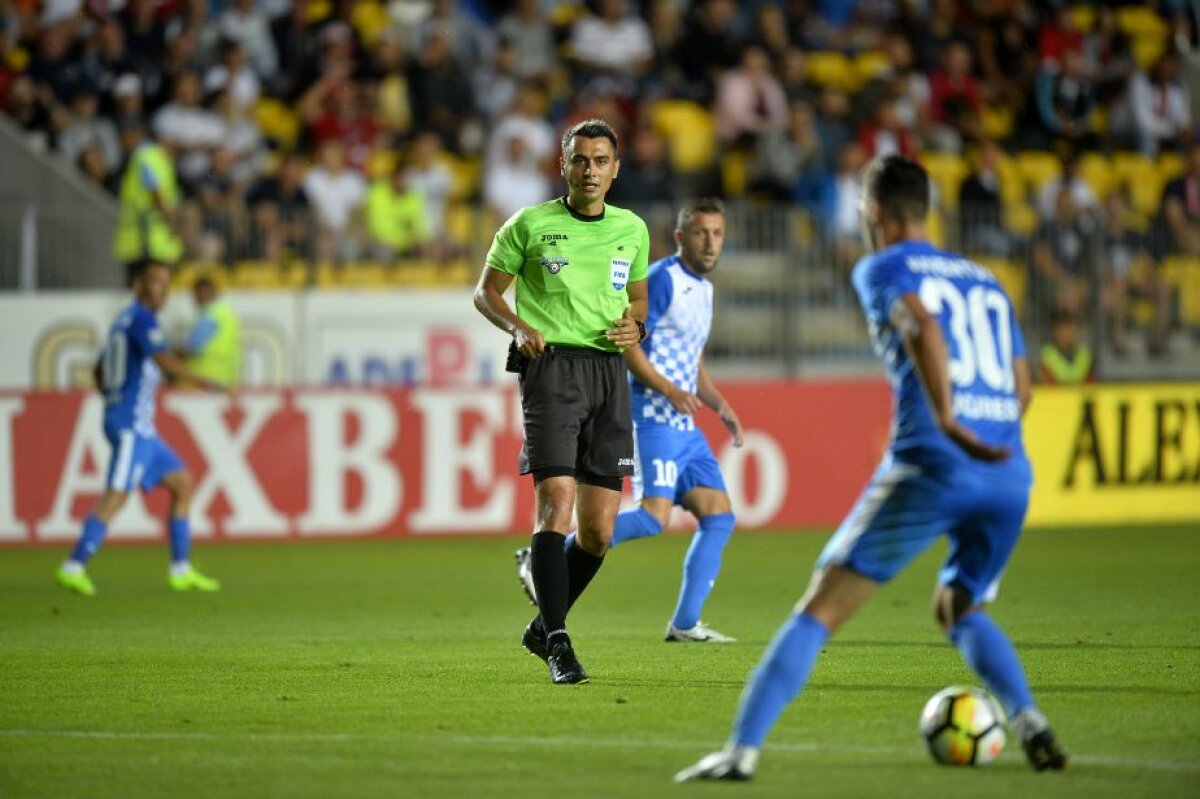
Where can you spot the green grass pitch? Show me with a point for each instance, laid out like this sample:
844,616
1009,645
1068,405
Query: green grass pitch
392,669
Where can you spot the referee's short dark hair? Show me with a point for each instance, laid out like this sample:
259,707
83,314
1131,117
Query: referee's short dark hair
140,266
705,205
900,186
589,129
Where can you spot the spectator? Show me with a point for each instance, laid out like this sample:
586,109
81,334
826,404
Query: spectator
954,101
496,82
389,66
127,96
428,174
298,47
234,74
750,102
53,69
516,178
87,130
397,221
280,216
91,163
838,210
219,202
149,198
943,26
793,75
665,76
1060,260
473,42
613,48
1109,54
525,120
106,58
786,160
833,125
441,94
182,56
32,110
249,27
532,38
188,129
213,348
1082,196
901,81
144,33
981,208
1129,272
337,109
1064,359
1159,106
1009,63
646,177
1064,99
336,192
241,136
770,31
709,46
885,133
1179,223
1058,36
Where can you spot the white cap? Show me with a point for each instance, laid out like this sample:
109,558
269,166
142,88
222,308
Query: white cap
126,85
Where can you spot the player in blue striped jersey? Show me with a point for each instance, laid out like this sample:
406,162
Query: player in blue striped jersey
127,373
674,464
953,352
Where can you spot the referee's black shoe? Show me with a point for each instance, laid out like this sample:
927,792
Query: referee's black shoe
1044,752
534,640
565,668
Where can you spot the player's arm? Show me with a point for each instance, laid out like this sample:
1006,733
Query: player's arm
98,374
711,396
926,347
647,375
1024,382
630,329
489,301
174,367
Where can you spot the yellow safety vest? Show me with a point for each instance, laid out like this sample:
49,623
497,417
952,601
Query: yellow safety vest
141,230
1067,370
221,359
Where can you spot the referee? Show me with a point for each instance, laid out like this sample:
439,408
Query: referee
581,299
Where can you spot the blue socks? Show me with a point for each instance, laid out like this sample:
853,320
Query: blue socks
90,540
989,653
634,523
780,675
700,567
180,533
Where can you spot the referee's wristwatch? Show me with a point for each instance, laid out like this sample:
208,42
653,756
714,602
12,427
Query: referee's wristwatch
641,330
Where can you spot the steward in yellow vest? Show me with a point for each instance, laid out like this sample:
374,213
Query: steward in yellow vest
214,344
148,195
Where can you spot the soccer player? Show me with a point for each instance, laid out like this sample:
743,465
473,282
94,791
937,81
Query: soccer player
953,352
128,373
675,464
581,299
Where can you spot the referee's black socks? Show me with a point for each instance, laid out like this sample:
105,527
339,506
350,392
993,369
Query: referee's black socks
551,578
581,568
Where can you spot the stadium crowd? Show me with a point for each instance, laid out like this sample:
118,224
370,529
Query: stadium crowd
1057,134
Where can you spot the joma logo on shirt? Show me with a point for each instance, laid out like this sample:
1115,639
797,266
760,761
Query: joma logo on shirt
553,237
555,263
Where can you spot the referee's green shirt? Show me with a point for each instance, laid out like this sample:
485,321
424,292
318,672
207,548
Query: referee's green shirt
572,270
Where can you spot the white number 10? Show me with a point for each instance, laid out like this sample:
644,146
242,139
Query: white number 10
981,329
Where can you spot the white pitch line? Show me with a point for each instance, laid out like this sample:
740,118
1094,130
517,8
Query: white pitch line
810,747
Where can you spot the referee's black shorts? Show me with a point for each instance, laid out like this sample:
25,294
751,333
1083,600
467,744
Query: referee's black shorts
577,416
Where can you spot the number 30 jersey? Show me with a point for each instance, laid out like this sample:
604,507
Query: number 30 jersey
129,372
982,336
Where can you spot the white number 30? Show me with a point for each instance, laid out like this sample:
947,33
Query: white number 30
981,333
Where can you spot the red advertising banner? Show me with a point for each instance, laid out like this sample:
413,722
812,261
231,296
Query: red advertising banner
358,462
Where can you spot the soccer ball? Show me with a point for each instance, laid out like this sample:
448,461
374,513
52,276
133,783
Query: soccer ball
963,727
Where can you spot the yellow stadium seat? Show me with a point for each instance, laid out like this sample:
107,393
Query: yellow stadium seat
935,228
1097,171
1170,166
370,19
1012,187
413,273
832,69
464,175
689,131
1183,275
1142,179
1083,17
363,275
1013,276
295,273
997,121
325,274
1037,168
735,173
277,122
1021,219
947,171
1140,21
869,64
319,10
1148,49
381,164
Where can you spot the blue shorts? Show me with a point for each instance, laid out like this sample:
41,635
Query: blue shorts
904,509
138,461
670,463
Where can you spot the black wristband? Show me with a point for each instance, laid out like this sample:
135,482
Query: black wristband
641,330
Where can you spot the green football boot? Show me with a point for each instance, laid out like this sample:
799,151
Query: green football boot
192,580
76,581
